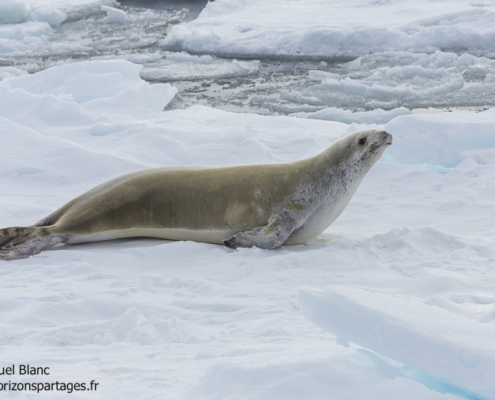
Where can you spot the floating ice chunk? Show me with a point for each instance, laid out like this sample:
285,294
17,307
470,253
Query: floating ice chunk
392,79
377,116
352,86
435,61
185,57
85,81
51,15
315,75
114,15
388,92
14,12
79,9
181,66
325,28
141,58
20,32
490,78
89,36
50,96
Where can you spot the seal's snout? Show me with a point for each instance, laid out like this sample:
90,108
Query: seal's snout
383,139
388,138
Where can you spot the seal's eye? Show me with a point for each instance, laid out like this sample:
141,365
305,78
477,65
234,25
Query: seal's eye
362,141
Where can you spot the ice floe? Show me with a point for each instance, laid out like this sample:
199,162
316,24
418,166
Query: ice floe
319,28
402,282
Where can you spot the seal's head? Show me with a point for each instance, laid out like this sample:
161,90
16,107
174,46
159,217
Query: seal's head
364,148
370,144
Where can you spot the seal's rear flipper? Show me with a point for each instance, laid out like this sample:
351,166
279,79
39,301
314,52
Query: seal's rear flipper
24,242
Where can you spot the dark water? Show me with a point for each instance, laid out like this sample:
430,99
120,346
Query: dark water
276,86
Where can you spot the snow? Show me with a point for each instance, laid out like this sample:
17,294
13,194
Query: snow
201,321
338,28
394,301
455,137
422,336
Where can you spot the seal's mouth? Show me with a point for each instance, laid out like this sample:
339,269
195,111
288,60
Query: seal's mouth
384,141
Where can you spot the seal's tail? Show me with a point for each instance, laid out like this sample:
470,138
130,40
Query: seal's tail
24,242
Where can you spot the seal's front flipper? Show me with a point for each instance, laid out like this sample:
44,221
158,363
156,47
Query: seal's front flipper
18,243
266,237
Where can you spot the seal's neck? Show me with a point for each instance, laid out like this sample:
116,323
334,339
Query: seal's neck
339,168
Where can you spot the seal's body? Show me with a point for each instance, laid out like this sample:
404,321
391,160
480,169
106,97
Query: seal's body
239,206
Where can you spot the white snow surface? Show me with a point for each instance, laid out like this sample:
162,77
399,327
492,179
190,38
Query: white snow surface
336,28
409,263
419,335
